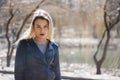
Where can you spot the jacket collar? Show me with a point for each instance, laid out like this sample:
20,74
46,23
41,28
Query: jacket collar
49,46
38,53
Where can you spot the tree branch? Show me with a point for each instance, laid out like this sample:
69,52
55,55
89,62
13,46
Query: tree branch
7,26
26,19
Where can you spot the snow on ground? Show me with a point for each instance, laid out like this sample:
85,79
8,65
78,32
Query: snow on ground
88,71
91,76
70,70
73,70
6,77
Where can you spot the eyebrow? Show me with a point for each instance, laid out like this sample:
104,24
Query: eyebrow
44,25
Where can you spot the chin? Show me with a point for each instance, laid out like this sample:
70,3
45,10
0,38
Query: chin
42,38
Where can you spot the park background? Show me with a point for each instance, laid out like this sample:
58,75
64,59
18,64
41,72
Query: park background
86,31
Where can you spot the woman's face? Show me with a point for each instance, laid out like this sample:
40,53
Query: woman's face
41,28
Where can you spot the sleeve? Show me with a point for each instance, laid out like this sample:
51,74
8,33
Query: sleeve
20,61
57,65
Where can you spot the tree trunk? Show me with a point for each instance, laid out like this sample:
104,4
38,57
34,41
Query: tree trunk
10,56
98,66
98,63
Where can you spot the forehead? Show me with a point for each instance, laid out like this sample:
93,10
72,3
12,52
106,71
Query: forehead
41,21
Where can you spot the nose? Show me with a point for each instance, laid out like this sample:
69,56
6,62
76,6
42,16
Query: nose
42,29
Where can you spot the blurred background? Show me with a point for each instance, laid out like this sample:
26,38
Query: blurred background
82,29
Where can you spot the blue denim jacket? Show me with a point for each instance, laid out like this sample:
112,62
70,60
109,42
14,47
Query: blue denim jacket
31,64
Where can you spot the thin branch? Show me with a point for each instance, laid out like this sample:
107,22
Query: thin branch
105,15
105,47
98,47
8,24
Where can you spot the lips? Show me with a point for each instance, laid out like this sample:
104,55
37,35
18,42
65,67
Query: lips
42,34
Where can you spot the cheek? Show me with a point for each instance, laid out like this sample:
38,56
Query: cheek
47,31
36,31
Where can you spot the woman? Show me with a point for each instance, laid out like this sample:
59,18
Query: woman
37,57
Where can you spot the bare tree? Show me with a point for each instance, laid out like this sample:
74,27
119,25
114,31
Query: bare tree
7,29
12,14
111,18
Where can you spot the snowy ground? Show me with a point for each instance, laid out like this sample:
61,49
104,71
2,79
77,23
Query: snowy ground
6,77
75,70
87,71
70,70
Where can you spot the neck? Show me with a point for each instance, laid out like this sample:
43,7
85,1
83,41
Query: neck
40,41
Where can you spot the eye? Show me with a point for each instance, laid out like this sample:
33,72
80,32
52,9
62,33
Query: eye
46,26
37,26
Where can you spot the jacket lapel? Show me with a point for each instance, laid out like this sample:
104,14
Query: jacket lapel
36,52
49,55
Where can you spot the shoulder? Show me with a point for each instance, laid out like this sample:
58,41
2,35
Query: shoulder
55,45
23,41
